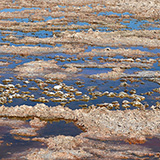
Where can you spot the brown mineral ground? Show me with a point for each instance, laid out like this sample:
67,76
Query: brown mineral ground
47,69
26,50
33,27
145,74
104,132
146,38
38,51
100,120
109,52
11,123
117,73
145,9
4,63
83,148
21,127
36,123
123,65
110,48
24,132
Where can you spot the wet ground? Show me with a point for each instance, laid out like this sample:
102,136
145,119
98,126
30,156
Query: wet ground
77,55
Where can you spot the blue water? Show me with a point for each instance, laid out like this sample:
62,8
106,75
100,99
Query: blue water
113,13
